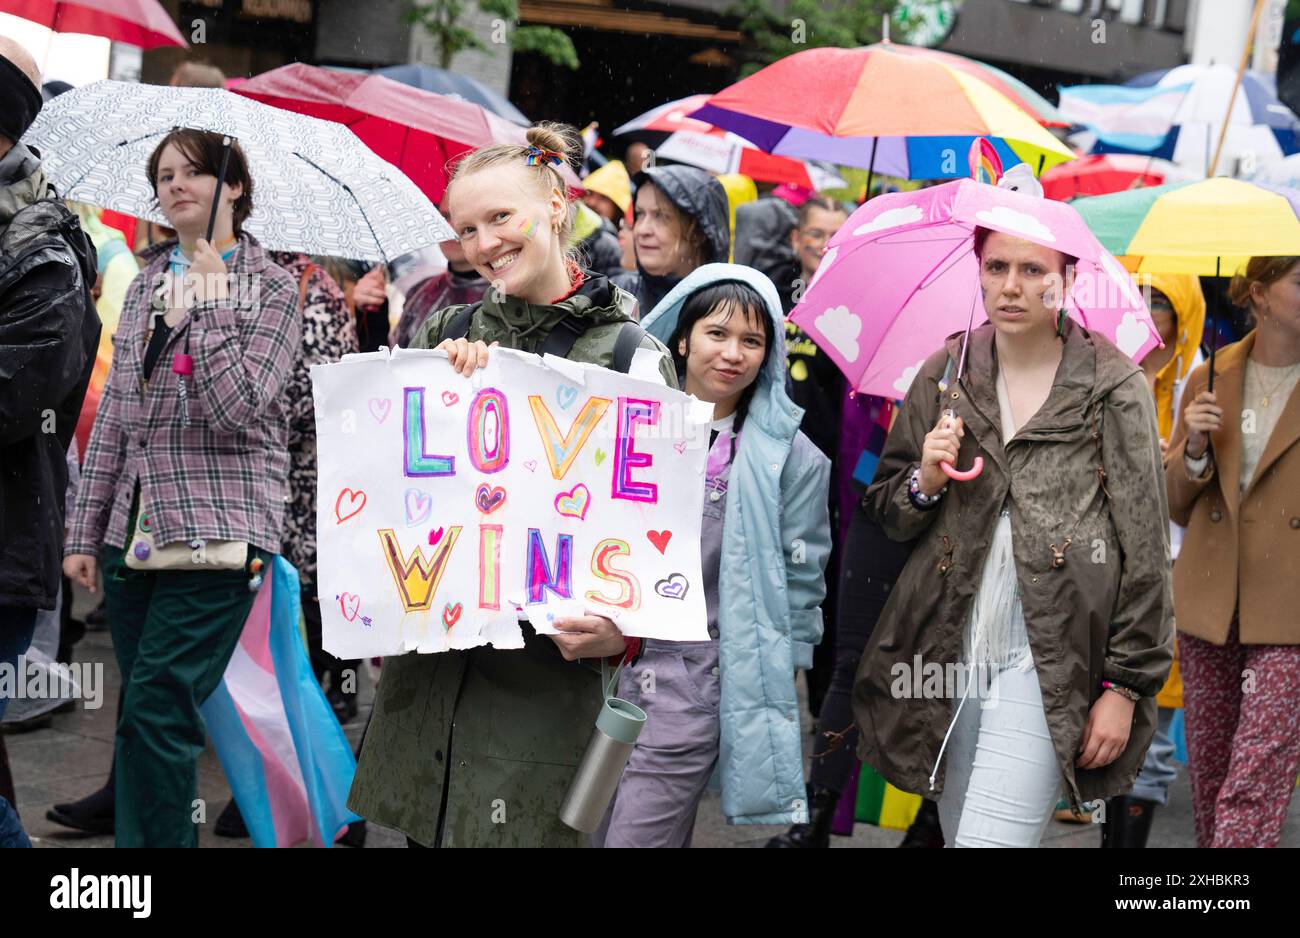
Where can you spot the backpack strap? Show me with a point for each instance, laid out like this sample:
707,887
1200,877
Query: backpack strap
561,339
625,346
458,326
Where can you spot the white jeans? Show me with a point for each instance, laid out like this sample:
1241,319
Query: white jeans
1002,779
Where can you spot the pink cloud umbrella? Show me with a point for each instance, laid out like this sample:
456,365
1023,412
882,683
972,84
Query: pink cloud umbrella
900,276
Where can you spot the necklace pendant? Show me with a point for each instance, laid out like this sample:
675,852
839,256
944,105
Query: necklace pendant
1264,402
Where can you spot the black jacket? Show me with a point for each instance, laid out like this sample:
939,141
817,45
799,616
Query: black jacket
763,242
601,250
49,331
697,194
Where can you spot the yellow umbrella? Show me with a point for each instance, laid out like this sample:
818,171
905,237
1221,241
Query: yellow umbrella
1210,228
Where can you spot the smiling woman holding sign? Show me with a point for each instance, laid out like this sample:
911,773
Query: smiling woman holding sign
478,747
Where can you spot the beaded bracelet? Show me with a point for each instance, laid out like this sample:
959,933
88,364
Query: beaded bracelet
919,500
1123,691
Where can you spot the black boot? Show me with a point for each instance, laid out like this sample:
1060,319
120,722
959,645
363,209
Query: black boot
355,837
1128,822
817,832
925,830
93,814
230,823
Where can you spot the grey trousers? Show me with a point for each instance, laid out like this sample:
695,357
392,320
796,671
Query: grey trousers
678,685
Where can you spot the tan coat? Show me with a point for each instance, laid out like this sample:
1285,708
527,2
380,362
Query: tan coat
1103,612
1239,553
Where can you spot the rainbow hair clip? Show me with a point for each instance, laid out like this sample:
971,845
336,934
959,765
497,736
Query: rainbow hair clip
536,155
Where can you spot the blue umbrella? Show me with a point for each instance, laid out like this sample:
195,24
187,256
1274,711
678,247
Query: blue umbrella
429,78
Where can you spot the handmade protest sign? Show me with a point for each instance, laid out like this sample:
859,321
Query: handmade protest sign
447,505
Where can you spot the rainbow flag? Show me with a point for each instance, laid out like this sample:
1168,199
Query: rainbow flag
985,164
287,759
883,805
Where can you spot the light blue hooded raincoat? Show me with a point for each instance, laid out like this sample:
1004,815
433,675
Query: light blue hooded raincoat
772,577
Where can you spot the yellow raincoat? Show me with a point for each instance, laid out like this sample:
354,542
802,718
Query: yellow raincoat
1184,292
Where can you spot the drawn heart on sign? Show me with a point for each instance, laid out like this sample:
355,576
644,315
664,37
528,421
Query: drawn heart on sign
419,506
435,536
352,498
680,447
565,396
673,587
574,503
489,499
379,408
451,615
660,539
600,456
531,465
450,398
350,604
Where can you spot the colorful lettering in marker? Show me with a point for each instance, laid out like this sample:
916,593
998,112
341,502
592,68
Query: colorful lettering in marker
633,412
489,431
416,462
629,588
539,569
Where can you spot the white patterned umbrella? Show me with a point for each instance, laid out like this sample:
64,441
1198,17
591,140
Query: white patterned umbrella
316,187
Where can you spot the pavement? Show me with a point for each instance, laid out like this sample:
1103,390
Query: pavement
70,758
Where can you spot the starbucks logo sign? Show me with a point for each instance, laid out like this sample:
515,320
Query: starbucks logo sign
926,22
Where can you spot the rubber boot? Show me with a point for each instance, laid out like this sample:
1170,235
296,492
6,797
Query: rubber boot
1128,822
817,832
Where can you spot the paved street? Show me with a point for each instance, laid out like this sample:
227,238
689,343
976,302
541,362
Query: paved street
70,758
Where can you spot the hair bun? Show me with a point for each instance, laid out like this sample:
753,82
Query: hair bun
550,135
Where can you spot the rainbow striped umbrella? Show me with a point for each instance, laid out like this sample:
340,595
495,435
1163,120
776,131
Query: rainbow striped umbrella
894,112
1020,94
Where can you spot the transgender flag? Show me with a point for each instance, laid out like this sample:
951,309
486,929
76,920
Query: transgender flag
1127,120
286,757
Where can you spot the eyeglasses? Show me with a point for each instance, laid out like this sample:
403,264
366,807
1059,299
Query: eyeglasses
815,234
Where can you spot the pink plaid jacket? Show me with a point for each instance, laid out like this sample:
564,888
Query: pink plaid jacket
224,476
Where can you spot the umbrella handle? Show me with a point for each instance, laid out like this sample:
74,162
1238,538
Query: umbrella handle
962,475
221,179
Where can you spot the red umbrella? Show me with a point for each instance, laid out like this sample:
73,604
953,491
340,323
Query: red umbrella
417,131
1102,175
142,23
699,143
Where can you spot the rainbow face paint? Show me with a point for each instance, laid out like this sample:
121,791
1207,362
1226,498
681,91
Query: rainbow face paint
529,227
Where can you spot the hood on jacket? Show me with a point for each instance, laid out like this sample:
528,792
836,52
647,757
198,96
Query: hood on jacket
611,181
1184,292
699,195
771,406
22,182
